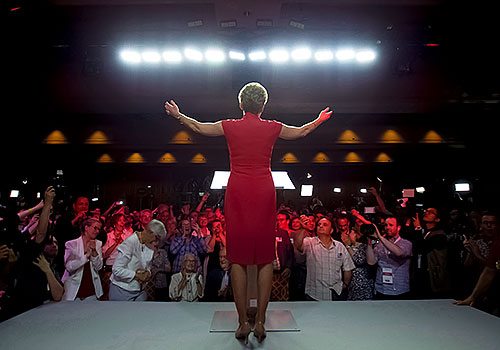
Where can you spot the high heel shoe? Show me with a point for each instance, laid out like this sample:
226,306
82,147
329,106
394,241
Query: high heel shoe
259,331
243,332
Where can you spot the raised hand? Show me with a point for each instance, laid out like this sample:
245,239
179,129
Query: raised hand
325,114
416,221
34,219
205,196
50,193
4,252
354,212
373,191
172,109
42,263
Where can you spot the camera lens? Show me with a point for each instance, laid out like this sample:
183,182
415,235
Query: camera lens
367,230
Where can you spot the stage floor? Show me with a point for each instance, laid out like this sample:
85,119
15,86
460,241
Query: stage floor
371,325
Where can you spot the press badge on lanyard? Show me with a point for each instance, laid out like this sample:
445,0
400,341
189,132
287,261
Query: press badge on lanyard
387,277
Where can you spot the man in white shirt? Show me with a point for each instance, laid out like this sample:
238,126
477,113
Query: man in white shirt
329,264
131,269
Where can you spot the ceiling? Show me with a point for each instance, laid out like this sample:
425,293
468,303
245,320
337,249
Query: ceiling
80,40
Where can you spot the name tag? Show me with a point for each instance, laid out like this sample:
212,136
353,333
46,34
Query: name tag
387,276
279,239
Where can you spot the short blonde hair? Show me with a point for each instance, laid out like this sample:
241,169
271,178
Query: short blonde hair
253,97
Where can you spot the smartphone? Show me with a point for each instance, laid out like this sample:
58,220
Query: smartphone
369,210
408,193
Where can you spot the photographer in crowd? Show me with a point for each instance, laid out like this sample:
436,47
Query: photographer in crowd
392,255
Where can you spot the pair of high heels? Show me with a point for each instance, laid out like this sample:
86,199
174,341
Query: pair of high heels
243,332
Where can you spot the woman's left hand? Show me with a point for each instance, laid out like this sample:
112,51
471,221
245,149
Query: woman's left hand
325,114
172,109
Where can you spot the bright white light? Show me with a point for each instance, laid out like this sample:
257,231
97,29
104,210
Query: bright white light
237,55
193,55
14,193
215,55
95,199
309,175
172,56
257,55
363,190
301,54
337,189
306,190
420,189
323,55
365,56
25,182
462,187
345,55
130,56
279,55
151,56
280,178
219,180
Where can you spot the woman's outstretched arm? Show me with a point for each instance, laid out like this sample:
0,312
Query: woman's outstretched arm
296,132
206,129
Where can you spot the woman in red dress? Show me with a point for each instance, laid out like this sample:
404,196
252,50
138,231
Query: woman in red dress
250,199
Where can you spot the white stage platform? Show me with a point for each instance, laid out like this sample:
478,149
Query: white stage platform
372,325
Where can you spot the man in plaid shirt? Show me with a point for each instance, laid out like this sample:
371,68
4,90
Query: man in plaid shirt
329,265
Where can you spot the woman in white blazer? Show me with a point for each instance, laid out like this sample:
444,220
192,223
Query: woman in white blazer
83,260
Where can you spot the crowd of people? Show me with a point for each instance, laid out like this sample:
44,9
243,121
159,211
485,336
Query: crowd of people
178,253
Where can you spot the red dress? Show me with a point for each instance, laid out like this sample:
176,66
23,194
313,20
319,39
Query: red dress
250,200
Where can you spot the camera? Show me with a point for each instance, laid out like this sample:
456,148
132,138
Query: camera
368,230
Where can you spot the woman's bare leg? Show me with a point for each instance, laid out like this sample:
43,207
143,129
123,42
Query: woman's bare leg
239,285
264,285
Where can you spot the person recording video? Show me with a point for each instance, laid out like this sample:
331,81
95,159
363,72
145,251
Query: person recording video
392,255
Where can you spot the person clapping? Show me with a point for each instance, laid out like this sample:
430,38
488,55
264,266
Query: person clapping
187,285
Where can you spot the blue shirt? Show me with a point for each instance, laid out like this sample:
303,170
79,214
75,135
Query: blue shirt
181,246
399,267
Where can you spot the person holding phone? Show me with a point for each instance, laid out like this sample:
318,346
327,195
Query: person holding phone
250,198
